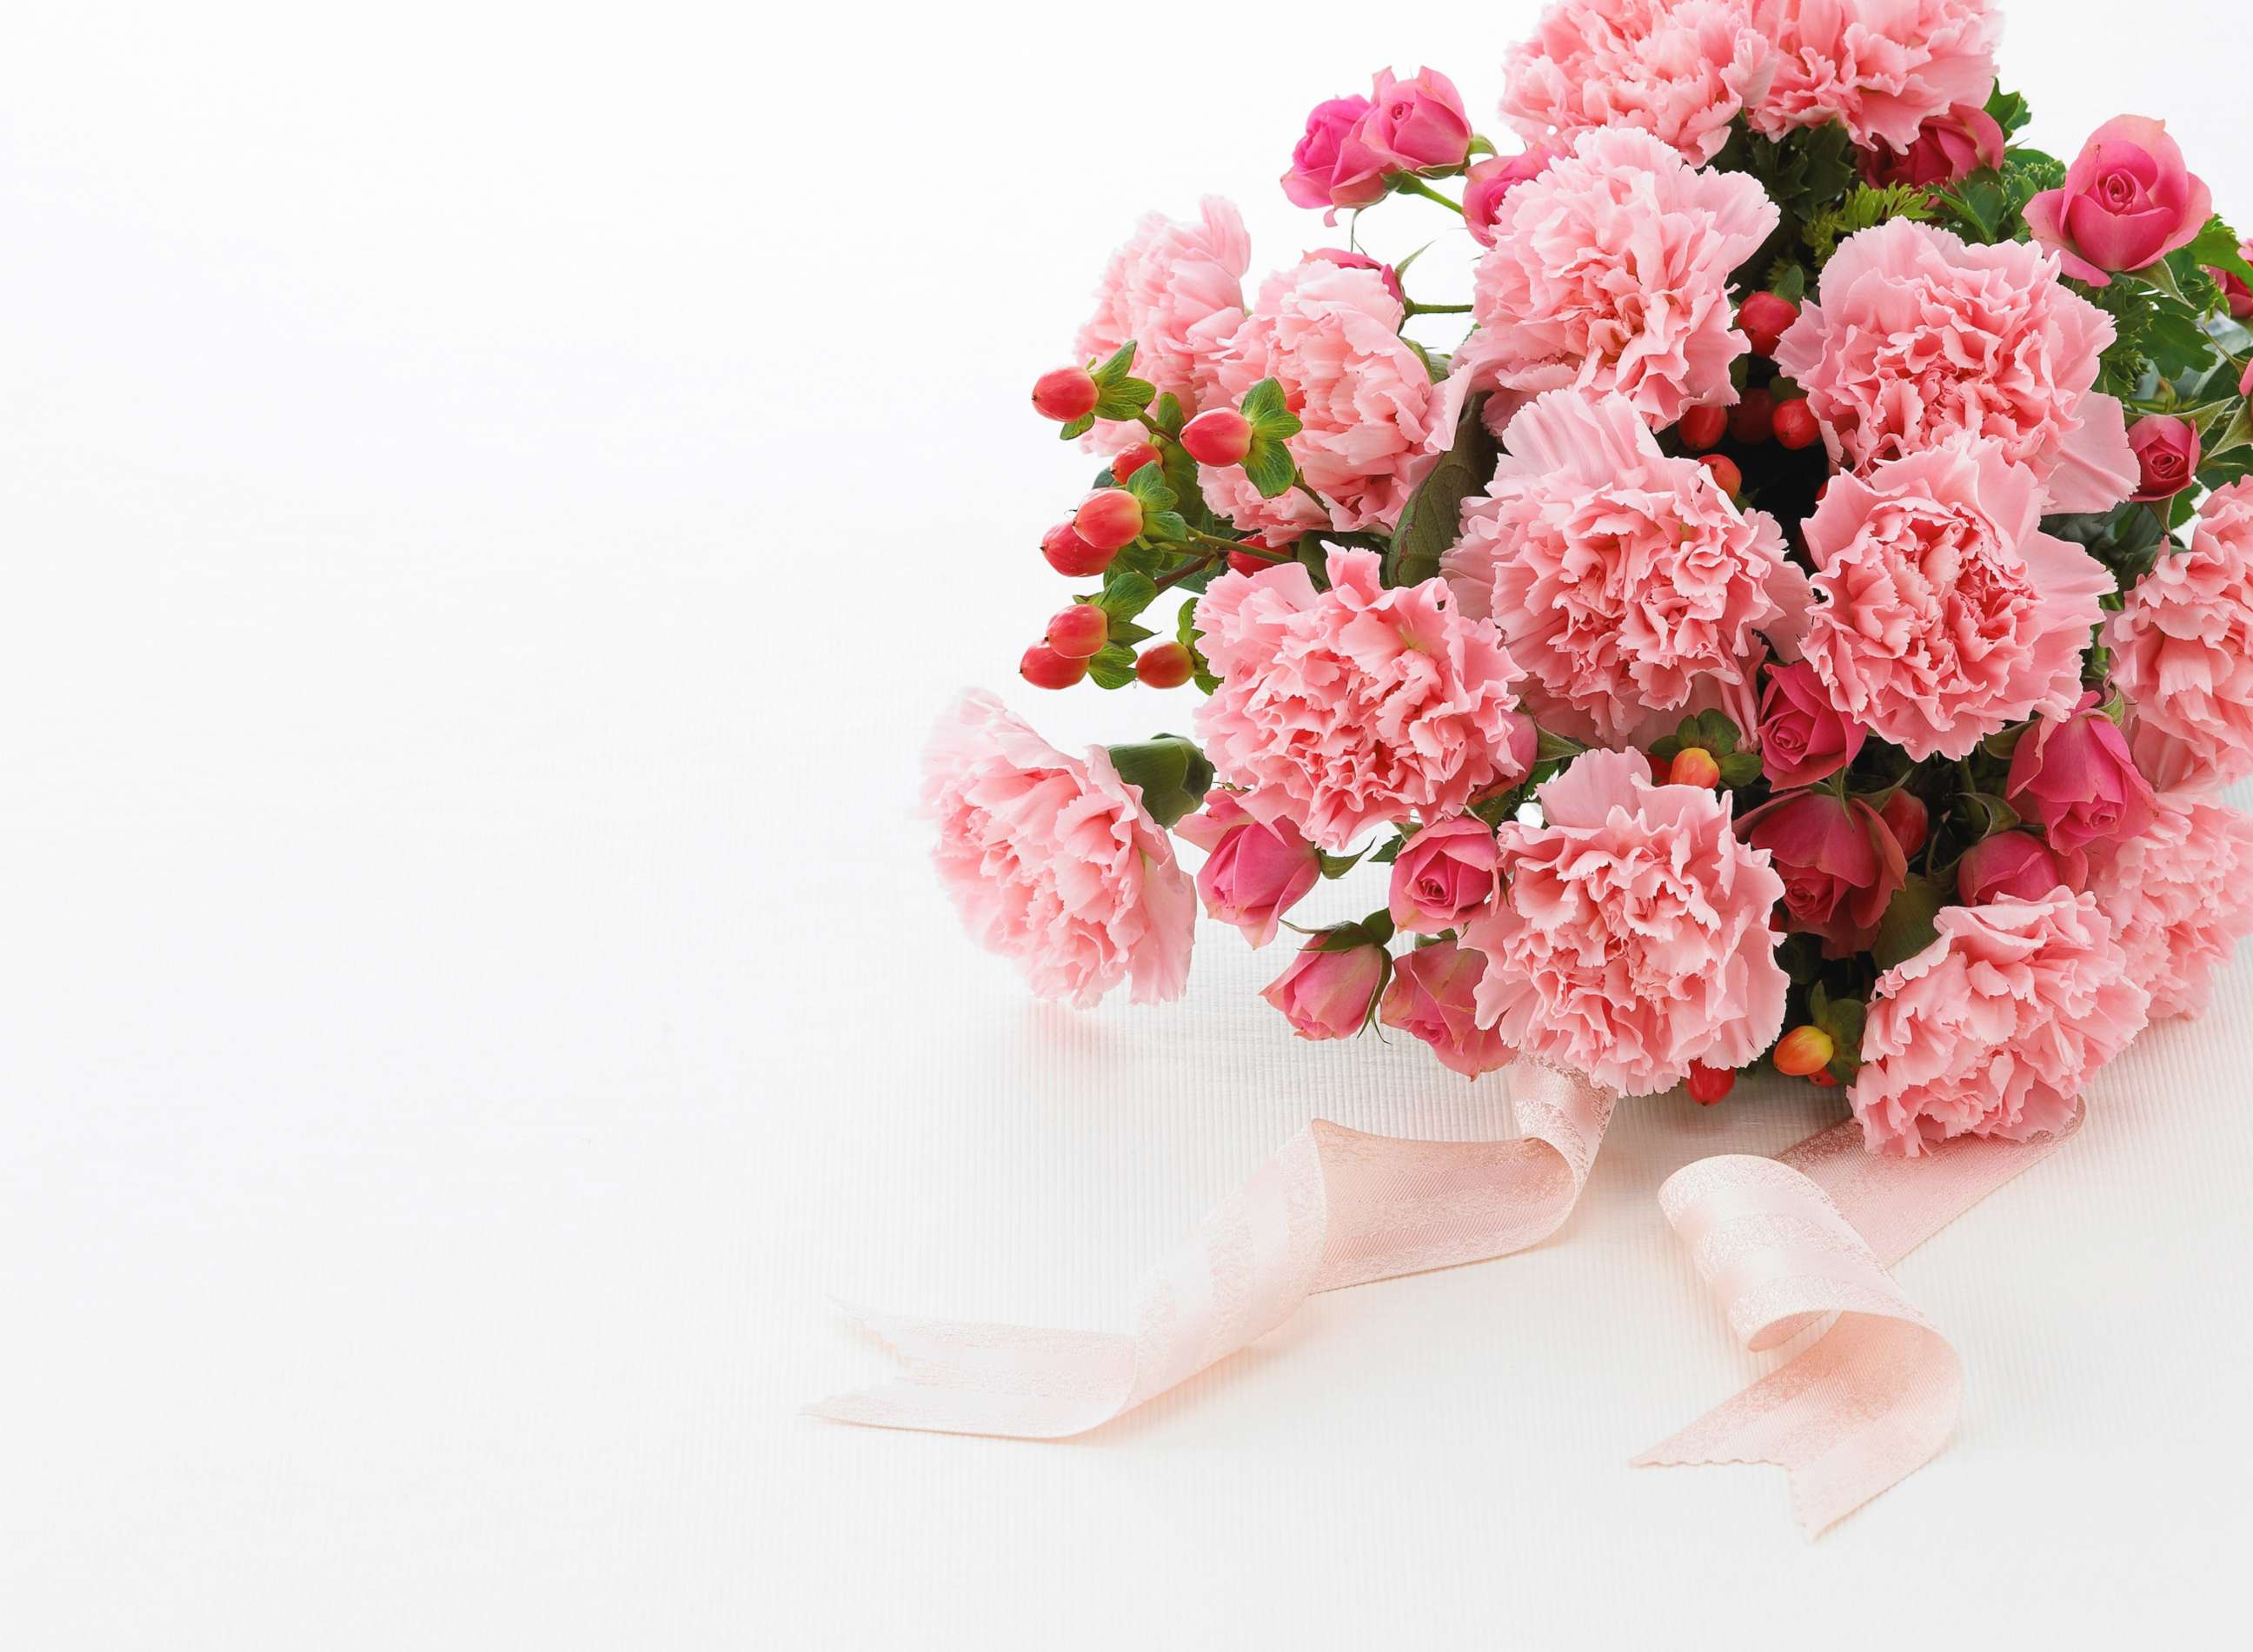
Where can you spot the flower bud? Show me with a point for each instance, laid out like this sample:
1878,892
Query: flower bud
1131,459
1072,556
1730,479
2166,456
1065,394
1220,436
1167,665
1754,420
1909,821
1804,1051
2010,863
1110,518
1797,427
1046,668
1694,766
1765,318
1079,630
1709,1085
1327,994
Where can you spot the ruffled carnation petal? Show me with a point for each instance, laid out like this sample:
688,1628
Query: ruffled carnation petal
1883,67
1176,291
2180,898
2182,649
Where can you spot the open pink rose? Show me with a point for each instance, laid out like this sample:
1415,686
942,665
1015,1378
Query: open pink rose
1433,997
1802,738
2073,775
2166,455
1486,185
2013,864
2127,202
1840,865
1445,874
1327,994
1418,124
1948,148
1323,172
1254,870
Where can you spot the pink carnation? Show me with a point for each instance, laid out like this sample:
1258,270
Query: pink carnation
1349,709
1177,291
1915,336
1053,861
2183,652
1633,936
1619,577
2180,898
1884,67
1373,423
1610,271
1994,1028
1944,612
1680,70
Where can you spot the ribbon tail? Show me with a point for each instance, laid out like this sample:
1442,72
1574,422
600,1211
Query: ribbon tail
960,1377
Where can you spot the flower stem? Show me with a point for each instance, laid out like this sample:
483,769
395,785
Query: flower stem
1415,309
1415,185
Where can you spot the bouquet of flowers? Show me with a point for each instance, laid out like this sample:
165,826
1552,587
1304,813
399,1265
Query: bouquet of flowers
1804,619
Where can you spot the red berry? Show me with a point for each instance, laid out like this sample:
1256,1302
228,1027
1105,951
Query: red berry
1110,519
1704,428
1220,436
1132,459
1064,394
1797,426
1731,479
1072,556
1765,319
1908,818
1804,1050
1079,630
1822,1080
1754,421
1257,554
1659,768
1694,766
1046,668
1167,665
1710,1085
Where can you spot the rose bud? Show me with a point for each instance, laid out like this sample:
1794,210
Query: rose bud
1804,1051
2075,775
1326,995
1254,871
1703,428
2009,863
1803,738
1764,318
1908,818
1110,519
1433,997
2128,201
1447,873
1328,169
1709,1085
1072,556
1221,436
1046,668
1840,865
1132,459
2166,455
1486,185
1064,394
1079,630
2235,292
1417,124
1949,148
1345,259
1167,665
1694,766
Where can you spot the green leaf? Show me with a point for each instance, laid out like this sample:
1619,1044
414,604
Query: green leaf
1127,633
1126,594
1740,770
2218,247
1431,520
1865,209
1078,427
1113,666
1166,414
1268,410
1788,281
1907,927
1113,369
1554,747
2009,109
1164,528
1269,466
1148,484
1124,399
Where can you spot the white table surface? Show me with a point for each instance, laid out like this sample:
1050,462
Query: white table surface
493,499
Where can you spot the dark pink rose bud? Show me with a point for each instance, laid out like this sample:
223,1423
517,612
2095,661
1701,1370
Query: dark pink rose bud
1447,873
1326,995
1948,148
1418,124
1253,872
2013,863
2234,289
2076,776
1345,259
1908,818
1321,174
1840,865
1433,997
2166,453
1803,738
2127,202
1486,185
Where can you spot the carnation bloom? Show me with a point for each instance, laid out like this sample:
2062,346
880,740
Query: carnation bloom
2180,898
1176,290
1633,936
1349,709
2183,651
1051,861
1944,612
1994,1028
1611,271
1373,420
1680,70
1883,67
1915,337
1618,576
1433,997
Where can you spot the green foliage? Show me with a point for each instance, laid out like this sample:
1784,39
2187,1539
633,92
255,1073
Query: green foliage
1711,731
1268,412
1865,209
2218,247
1269,467
1907,927
1187,634
1113,666
1118,395
1808,171
2161,336
1162,524
2009,109
1431,520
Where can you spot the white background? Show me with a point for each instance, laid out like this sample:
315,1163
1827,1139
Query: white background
489,502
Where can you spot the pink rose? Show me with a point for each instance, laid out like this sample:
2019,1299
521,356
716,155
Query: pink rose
1633,936
1416,125
1840,865
1325,170
2182,649
1802,738
1994,1029
1254,871
2073,775
2015,864
1433,997
2235,292
1680,70
2180,896
1949,148
1487,184
1445,875
1345,259
1325,993
2166,455
1052,861
1944,612
1882,67
1915,336
2127,202
1353,708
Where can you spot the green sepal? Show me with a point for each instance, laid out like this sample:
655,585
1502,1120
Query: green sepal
1269,411
1269,467
1111,666
1550,747
1076,428
1175,776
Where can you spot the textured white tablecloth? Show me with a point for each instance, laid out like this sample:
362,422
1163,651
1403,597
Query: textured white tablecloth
493,499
